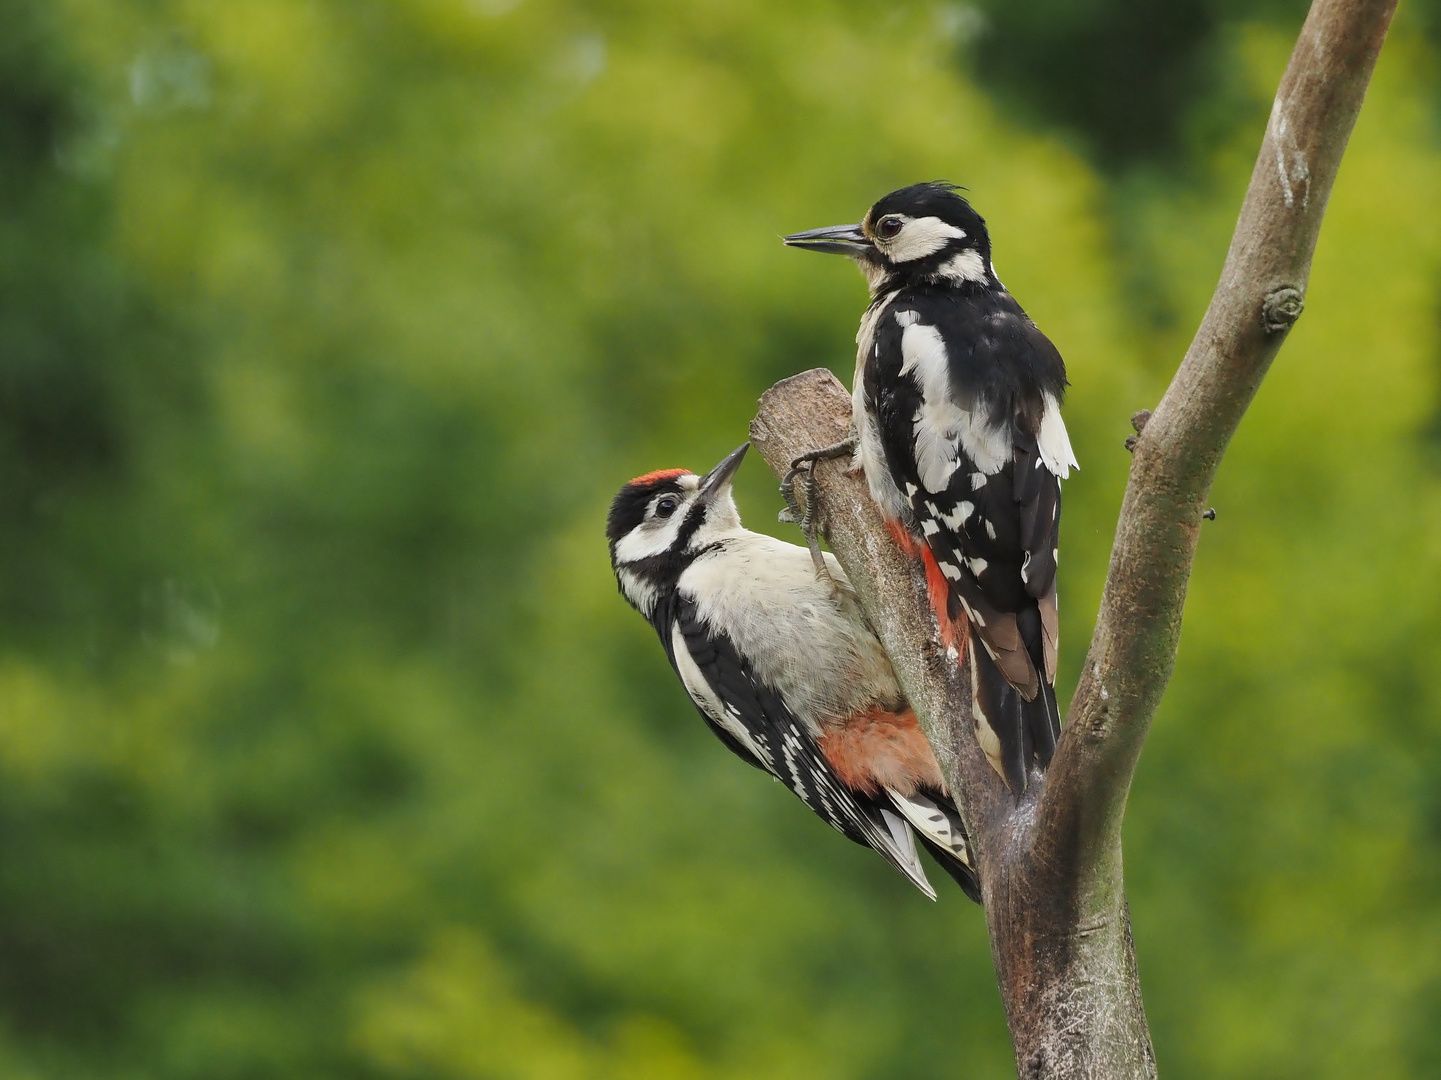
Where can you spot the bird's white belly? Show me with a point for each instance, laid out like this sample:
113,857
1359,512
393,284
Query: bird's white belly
800,635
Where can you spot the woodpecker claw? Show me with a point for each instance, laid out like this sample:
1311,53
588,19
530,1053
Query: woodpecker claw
806,516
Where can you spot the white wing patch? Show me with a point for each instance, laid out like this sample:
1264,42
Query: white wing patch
957,517
1053,442
942,427
709,701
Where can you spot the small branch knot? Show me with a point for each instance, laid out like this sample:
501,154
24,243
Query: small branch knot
1282,308
1138,421
1036,1066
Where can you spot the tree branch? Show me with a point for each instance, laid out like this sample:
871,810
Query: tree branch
1176,455
1050,859
813,409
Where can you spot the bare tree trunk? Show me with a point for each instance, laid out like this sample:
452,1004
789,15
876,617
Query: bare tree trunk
1050,860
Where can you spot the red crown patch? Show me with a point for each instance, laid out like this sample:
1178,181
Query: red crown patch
657,477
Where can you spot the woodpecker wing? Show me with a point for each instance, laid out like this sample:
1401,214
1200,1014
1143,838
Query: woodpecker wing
755,723
1042,458
699,664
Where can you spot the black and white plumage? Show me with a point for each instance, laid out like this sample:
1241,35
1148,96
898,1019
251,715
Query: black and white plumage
783,667
957,402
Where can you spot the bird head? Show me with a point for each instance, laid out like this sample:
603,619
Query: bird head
922,234
660,521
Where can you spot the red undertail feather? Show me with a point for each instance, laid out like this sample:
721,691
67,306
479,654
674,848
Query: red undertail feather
903,538
954,632
878,749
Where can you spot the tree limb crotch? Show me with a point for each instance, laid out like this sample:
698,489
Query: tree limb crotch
1050,859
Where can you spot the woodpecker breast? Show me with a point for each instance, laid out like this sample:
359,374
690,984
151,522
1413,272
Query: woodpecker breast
802,637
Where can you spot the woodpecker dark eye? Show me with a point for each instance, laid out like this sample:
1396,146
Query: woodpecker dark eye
888,227
666,506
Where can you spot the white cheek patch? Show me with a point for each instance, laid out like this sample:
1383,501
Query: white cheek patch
650,538
921,237
967,266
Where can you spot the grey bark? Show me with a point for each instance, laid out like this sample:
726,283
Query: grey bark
1050,860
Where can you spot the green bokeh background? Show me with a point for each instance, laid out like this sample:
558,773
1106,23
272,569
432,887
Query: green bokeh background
327,329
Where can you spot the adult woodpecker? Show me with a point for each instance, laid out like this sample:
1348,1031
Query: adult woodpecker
957,414
783,666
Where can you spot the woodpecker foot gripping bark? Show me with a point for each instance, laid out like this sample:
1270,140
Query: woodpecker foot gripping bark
806,516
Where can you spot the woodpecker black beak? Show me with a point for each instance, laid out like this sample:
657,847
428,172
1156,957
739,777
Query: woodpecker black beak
713,483
834,240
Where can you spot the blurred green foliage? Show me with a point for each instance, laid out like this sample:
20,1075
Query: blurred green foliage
327,329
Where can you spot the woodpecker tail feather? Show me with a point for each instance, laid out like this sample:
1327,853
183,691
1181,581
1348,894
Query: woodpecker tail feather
1043,723
897,845
962,874
938,826
1042,718
996,707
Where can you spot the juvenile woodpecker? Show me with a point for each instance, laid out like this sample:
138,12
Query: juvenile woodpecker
783,667
957,414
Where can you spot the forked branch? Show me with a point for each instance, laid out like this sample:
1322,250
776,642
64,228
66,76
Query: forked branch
1259,297
1050,861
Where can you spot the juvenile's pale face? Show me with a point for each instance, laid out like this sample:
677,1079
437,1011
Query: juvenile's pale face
665,513
658,521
